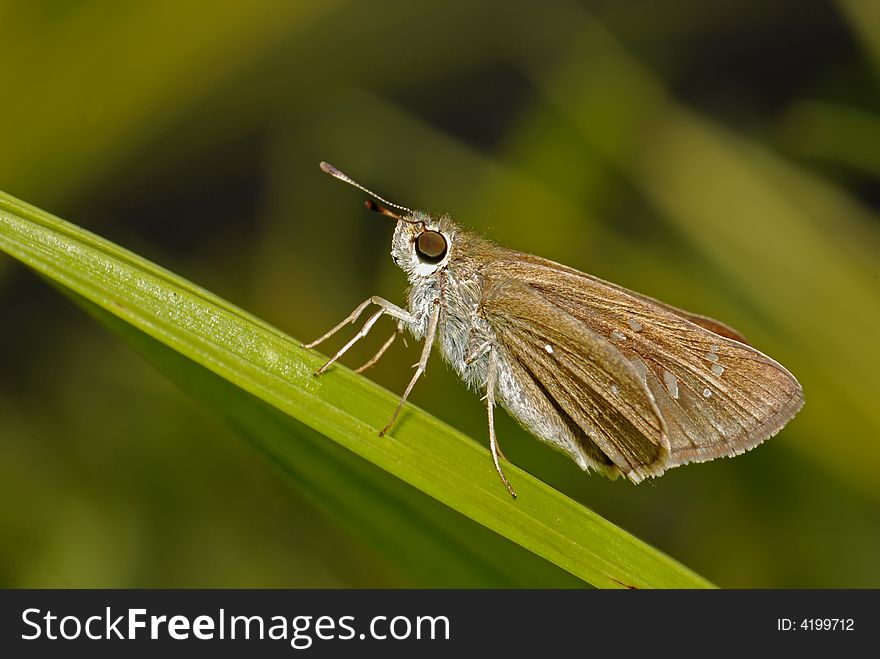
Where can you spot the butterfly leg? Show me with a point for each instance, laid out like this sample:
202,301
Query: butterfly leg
491,382
357,337
477,352
382,350
352,317
386,307
423,362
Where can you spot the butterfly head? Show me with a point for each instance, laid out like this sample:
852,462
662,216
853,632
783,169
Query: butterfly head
422,244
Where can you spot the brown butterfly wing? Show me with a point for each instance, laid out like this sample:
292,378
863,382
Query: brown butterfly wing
716,395
573,375
710,324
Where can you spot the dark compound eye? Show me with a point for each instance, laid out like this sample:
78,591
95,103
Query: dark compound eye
431,246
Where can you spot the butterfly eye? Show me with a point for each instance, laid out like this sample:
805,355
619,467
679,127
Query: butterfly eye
431,246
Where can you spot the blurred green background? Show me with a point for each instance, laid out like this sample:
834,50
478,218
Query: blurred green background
722,156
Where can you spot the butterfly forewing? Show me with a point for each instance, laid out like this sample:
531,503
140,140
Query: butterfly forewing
715,395
597,393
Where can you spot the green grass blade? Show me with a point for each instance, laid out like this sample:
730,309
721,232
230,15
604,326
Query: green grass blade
345,408
442,549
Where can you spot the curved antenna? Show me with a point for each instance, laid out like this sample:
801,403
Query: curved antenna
335,173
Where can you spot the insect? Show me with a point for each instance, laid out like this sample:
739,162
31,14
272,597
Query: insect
622,383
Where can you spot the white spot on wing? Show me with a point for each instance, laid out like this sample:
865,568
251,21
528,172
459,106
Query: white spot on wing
717,369
635,325
711,356
617,335
549,349
614,389
714,347
707,393
671,383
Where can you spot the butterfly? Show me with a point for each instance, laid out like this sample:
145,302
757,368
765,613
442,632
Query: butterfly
623,383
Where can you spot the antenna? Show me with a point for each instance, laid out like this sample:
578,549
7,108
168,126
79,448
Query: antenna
335,173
